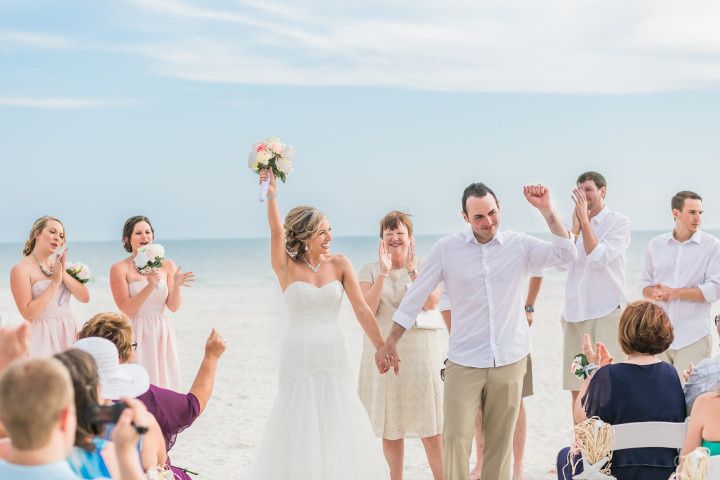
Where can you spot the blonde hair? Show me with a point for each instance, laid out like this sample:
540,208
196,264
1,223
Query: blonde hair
33,394
113,326
301,224
37,227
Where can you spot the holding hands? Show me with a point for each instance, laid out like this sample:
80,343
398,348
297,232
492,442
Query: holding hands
386,356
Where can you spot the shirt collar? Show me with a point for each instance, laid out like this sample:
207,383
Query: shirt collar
470,237
695,238
601,214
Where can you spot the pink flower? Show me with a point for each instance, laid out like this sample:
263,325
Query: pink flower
261,147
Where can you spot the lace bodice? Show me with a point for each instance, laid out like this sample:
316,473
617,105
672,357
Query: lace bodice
314,340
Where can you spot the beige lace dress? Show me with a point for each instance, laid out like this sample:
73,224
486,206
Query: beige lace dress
410,404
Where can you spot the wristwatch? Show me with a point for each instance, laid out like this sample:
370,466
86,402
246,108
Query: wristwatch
529,309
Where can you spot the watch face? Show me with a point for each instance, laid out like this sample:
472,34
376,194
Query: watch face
717,320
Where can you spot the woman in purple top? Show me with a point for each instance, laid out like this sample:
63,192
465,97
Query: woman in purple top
173,411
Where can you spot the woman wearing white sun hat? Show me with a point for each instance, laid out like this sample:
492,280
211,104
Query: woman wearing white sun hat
127,380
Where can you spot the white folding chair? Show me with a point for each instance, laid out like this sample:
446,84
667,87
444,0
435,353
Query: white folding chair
714,472
649,435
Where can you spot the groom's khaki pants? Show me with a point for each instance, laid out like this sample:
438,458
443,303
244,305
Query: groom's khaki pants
497,392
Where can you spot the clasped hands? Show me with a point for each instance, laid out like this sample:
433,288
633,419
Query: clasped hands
386,356
663,293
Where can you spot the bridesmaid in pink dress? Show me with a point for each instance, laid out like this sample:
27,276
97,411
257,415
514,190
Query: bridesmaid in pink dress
42,289
144,299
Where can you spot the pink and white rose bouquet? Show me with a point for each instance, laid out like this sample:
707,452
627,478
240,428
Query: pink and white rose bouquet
149,258
79,271
271,153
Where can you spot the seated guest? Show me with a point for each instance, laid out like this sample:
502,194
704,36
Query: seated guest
703,377
642,389
122,381
14,344
704,427
174,411
37,410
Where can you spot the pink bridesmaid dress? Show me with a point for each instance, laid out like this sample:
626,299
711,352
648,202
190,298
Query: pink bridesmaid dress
55,330
155,337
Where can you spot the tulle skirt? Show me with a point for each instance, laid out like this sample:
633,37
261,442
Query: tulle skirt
319,430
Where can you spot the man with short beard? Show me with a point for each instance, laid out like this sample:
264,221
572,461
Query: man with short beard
682,273
595,287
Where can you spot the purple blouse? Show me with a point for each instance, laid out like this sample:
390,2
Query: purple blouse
174,412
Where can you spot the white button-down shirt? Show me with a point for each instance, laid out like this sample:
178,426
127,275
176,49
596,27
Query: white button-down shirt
484,284
693,263
596,282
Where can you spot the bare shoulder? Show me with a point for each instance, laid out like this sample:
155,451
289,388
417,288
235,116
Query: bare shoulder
20,268
339,261
119,267
169,265
707,400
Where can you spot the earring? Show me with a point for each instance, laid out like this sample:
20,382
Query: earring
307,248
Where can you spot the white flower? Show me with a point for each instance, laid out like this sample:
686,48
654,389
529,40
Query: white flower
283,165
263,157
276,147
252,160
289,153
157,251
141,259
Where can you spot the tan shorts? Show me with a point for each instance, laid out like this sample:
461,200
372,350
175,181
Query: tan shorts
693,353
527,389
603,329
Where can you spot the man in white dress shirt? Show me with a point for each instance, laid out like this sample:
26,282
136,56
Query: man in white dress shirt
484,270
595,287
682,273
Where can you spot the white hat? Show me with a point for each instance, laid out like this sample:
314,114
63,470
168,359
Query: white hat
116,380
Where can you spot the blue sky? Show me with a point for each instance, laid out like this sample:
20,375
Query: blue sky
109,109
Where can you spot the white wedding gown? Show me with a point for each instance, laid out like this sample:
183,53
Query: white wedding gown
318,429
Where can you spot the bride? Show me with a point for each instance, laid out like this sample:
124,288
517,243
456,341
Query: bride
318,429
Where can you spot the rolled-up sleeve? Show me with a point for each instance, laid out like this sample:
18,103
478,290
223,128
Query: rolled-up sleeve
612,246
429,278
710,287
541,254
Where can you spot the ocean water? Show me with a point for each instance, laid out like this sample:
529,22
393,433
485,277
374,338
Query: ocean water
236,292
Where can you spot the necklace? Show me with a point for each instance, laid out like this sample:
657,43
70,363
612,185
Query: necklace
314,269
42,269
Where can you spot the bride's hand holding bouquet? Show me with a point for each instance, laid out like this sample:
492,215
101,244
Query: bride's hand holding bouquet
274,156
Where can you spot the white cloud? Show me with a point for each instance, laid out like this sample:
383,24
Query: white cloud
12,38
60,102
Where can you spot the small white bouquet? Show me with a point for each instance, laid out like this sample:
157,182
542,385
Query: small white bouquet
149,258
79,271
271,153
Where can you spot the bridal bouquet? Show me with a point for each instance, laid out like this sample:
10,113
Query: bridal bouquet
79,271
271,153
149,258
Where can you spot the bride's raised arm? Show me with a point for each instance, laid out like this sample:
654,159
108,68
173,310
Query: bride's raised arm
364,315
278,255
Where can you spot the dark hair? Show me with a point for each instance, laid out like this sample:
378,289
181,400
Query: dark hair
644,328
597,179
394,219
678,200
85,380
476,190
130,226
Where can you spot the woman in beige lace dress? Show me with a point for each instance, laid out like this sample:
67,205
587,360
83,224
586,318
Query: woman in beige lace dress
407,405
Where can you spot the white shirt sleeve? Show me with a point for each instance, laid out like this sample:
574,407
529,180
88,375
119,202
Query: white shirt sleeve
429,278
646,277
541,254
710,287
612,246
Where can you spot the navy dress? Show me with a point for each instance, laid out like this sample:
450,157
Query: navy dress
627,393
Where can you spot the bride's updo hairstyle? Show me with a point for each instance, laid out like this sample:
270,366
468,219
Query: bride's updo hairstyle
301,224
130,226
37,227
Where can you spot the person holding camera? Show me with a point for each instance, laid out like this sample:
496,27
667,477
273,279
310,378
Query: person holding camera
41,423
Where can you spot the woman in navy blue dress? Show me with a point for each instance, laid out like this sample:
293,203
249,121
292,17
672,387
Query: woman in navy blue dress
642,389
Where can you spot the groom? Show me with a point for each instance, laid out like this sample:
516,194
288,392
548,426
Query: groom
484,270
